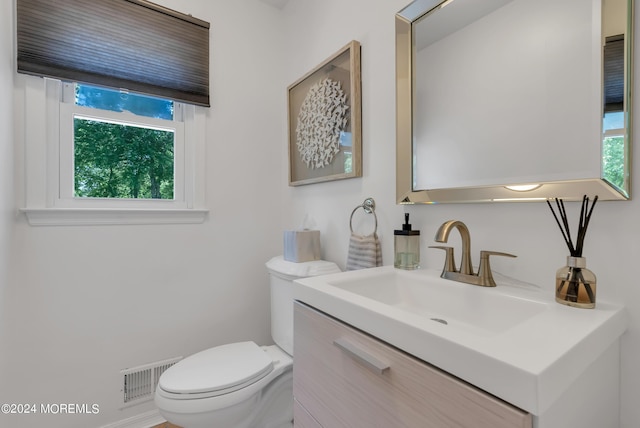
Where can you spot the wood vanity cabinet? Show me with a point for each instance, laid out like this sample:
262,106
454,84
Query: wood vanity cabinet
343,377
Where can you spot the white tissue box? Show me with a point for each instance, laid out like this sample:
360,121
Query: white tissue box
301,245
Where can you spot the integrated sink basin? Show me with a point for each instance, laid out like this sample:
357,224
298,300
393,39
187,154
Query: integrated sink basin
458,305
513,340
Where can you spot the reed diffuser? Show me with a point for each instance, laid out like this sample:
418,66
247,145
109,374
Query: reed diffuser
575,284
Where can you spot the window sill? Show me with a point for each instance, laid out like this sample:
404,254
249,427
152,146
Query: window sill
102,216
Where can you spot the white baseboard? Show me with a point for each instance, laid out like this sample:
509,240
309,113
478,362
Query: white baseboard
144,420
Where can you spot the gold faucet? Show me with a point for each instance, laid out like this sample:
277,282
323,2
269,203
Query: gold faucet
442,235
484,277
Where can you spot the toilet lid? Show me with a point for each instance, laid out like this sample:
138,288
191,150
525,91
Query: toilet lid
218,370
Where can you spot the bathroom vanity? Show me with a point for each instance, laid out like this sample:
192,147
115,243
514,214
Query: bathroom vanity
386,347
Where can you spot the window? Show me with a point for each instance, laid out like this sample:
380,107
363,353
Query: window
122,160
107,156
119,145
614,152
95,155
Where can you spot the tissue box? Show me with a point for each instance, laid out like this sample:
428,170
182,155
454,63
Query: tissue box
301,245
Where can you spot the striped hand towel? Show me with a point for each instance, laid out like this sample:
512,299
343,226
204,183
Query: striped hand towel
364,252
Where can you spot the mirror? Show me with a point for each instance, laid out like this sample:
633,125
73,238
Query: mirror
513,100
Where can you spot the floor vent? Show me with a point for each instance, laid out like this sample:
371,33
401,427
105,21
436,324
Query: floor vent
139,383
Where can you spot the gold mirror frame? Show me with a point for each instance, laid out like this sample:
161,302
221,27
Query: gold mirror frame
571,190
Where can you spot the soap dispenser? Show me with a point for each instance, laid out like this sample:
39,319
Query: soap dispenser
406,246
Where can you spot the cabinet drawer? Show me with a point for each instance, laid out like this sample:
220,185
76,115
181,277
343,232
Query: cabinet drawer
345,378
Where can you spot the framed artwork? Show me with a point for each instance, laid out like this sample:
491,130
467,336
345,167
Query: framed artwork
325,130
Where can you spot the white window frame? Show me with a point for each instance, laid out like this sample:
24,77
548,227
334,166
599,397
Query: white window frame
49,163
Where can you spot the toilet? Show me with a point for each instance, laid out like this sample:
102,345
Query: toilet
241,385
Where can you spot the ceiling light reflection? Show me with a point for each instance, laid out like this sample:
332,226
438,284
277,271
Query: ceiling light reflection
523,187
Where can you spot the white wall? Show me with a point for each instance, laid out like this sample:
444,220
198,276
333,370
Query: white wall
317,29
89,301
6,172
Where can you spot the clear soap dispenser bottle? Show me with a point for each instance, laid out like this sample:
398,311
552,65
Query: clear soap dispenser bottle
406,246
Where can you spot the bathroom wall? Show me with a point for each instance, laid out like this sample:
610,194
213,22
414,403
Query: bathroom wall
317,29
6,168
87,302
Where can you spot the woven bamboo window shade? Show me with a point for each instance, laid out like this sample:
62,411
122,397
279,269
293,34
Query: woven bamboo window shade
130,44
614,74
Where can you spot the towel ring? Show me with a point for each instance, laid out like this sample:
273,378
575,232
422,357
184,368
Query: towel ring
369,206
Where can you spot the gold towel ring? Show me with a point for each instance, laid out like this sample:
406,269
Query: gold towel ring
369,206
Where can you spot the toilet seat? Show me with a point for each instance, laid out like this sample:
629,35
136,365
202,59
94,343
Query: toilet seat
188,406
216,371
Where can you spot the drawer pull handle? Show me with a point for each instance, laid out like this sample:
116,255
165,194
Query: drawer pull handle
368,360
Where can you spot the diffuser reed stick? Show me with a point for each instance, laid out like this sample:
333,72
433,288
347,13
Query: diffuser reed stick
585,217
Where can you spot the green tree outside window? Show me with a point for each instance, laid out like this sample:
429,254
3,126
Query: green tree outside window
116,160
121,161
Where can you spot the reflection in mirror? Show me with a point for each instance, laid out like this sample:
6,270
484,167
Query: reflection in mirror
512,100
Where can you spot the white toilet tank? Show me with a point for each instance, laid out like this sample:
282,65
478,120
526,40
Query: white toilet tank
282,273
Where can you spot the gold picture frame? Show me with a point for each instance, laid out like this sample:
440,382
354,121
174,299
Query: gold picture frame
325,129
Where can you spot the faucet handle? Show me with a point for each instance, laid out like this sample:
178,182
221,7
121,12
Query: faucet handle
449,261
484,271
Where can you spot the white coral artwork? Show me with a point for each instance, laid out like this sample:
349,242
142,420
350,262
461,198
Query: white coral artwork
322,117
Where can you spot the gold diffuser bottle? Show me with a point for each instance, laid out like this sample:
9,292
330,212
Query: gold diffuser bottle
575,284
